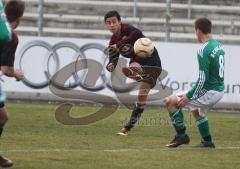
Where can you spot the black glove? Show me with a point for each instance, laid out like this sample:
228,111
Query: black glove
110,67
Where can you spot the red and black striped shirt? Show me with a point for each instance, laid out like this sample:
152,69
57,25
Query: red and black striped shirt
125,43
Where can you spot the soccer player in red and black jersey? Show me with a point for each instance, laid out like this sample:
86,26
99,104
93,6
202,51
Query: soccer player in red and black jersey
14,11
144,70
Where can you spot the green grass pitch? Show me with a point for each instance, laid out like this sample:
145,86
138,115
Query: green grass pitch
33,139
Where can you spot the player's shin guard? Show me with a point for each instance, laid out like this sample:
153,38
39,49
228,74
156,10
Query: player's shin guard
136,114
203,128
178,122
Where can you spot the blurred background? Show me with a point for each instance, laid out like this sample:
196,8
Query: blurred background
161,20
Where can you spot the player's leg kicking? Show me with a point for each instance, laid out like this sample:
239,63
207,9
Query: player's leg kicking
147,79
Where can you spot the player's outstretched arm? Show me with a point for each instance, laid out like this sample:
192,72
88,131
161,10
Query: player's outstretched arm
10,72
113,55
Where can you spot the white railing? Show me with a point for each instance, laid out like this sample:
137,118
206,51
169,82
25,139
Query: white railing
135,5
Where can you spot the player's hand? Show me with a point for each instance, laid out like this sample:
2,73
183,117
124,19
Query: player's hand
113,46
183,101
110,67
18,75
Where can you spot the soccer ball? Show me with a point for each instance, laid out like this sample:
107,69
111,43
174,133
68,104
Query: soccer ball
143,47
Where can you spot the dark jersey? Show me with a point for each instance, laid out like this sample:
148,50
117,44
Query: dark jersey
125,43
7,51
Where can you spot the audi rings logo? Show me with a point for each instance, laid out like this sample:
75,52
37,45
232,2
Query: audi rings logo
89,73
51,55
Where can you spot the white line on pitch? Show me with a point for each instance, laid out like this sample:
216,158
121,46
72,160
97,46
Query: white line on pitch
111,150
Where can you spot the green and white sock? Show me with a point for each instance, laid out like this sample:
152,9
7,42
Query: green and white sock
178,122
203,128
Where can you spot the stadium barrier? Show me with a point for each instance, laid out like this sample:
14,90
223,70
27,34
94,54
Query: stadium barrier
79,18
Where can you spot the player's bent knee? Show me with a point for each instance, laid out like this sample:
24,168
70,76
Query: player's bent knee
135,64
142,98
171,103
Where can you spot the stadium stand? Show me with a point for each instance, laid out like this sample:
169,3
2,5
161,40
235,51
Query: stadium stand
84,18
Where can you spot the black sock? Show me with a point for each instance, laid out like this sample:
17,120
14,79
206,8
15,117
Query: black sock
1,130
181,131
136,114
208,138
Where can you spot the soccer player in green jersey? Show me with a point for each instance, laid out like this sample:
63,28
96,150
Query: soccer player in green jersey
5,30
14,10
206,92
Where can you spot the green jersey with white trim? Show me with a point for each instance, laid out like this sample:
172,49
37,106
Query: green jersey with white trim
1,6
5,30
211,69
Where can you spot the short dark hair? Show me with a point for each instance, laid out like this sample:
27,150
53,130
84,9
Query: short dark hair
14,9
204,25
110,14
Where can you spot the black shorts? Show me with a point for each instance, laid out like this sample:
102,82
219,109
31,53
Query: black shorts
152,68
8,50
151,74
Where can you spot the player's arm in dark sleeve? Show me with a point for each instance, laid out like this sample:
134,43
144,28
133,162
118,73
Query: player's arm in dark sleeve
8,54
7,60
113,55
